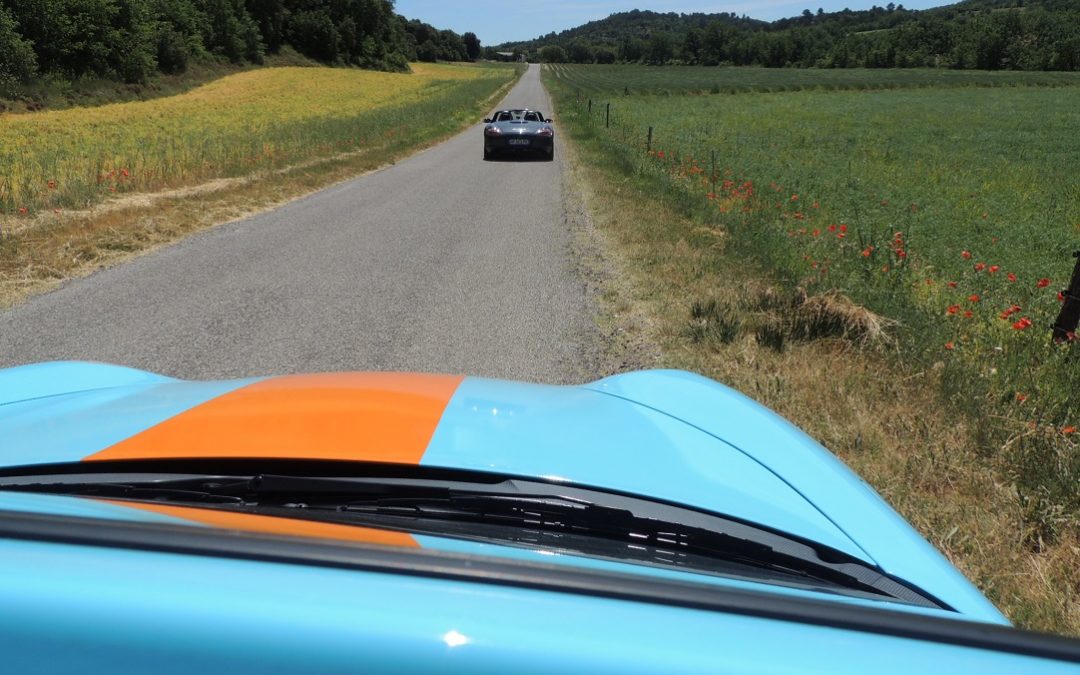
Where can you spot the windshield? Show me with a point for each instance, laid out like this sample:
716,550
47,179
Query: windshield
480,507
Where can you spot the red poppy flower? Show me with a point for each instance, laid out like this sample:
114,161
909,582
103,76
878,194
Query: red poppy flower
966,255
1021,397
51,184
993,269
973,298
22,209
794,198
929,282
901,253
979,266
1022,324
816,232
952,284
840,235
843,227
1010,276
1068,430
952,309
867,251
832,228
1010,311
1043,283
949,345
968,314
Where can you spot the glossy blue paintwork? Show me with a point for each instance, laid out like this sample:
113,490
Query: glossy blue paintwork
576,435
808,469
67,609
69,427
77,507
38,380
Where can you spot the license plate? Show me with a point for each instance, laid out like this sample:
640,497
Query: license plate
518,141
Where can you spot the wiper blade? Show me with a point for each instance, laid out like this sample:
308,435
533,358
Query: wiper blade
502,509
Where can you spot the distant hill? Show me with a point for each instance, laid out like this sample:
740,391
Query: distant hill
985,34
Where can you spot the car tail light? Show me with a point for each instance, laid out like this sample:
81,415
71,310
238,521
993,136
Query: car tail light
546,131
492,131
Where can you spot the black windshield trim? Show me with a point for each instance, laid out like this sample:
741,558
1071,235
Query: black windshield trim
168,538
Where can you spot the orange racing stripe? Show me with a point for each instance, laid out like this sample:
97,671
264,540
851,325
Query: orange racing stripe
374,417
295,527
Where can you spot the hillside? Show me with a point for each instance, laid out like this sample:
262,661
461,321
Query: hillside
983,34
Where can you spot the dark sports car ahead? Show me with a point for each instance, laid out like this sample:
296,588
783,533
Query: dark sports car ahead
518,131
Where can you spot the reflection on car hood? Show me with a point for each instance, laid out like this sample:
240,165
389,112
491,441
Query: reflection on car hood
663,434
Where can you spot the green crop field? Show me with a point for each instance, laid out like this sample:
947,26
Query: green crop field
942,201
637,79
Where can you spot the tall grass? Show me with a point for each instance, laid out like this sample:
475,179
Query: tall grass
261,119
951,210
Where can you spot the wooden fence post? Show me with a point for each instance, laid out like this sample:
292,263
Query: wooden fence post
607,116
648,144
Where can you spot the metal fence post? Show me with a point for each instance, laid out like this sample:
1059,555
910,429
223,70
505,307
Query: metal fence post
648,144
607,116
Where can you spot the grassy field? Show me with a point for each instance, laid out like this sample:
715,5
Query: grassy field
255,120
925,224
634,79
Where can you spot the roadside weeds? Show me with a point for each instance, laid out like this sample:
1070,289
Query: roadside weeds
672,285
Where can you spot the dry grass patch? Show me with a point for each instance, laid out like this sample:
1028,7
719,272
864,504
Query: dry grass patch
829,366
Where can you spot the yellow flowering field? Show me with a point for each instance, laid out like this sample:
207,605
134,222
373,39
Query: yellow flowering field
260,119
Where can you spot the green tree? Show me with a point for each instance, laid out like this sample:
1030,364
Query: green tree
660,49
314,34
18,64
270,16
472,45
580,51
553,54
231,32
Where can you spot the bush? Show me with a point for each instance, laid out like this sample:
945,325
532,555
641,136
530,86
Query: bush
553,54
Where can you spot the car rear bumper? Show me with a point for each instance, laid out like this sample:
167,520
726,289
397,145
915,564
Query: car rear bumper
519,144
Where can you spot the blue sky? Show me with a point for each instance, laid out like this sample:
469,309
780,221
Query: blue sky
497,21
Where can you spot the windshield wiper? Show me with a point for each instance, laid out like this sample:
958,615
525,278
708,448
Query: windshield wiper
510,510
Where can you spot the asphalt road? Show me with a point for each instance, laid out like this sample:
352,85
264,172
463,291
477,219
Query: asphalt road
440,263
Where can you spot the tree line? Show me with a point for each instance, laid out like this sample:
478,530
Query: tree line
979,34
132,40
